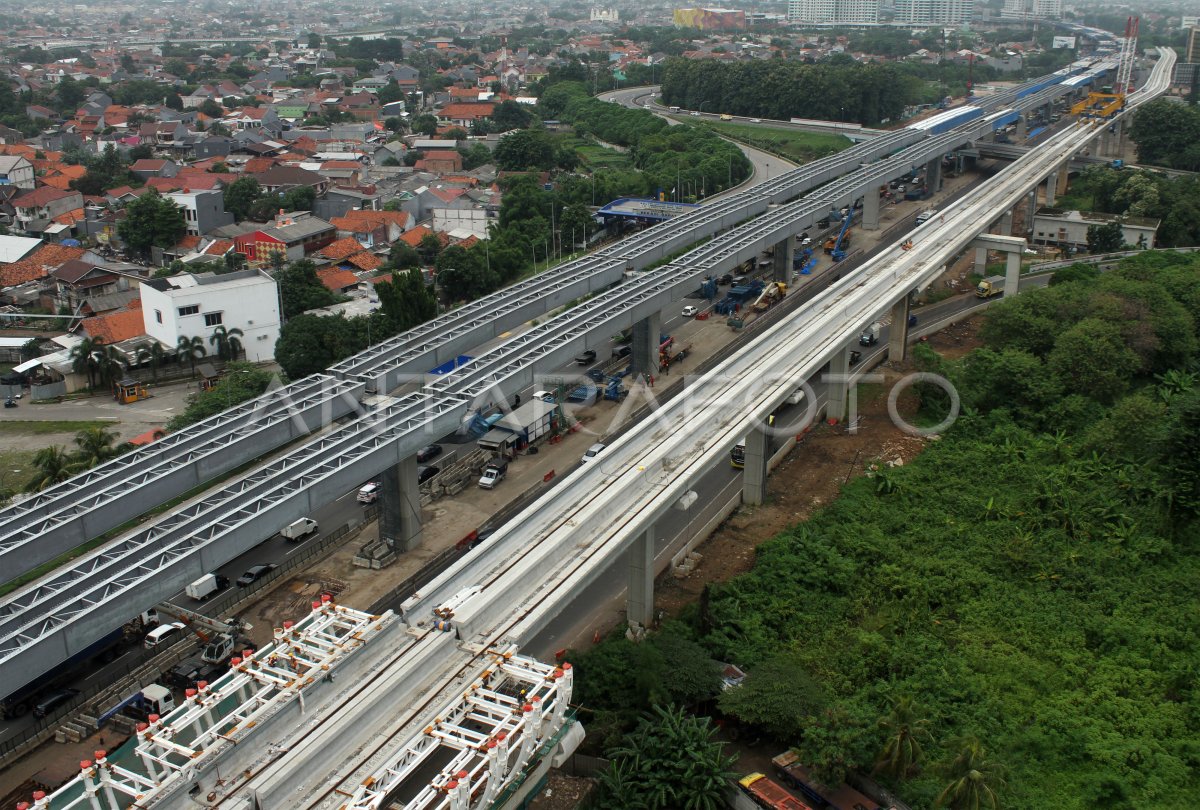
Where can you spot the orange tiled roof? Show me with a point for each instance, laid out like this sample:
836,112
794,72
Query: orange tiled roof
188,242
70,217
358,218
337,279
341,248
116,326
219,248
365,261
36,264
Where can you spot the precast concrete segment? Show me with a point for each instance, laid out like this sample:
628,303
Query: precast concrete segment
562,524
56,617
69,514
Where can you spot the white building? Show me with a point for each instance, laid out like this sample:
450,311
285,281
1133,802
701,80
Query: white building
1056,226
924,12
1033,8
832,12
16,171
604,15
190,305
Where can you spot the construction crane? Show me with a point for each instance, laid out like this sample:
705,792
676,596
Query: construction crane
837,250
1111,100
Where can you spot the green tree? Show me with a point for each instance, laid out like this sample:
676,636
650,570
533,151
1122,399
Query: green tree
52,466
905,729
778,695
974,780
524,149
69,94
83,357
403,255
301,290
425,124
189,350
151,220
508,114
241,196
239,382
390,92
226,342
576,224
300,198
1106,238
669,761
154,355
1091,358
96,445
1179,454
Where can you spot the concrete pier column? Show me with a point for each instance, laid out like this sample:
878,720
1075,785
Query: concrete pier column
400,506
754,476
933,175
1051,187
1012,273
781,260
980,259
639,602
898,331
870,217
1019,132
837,389
1006,223
646,334
1064,177
1032,209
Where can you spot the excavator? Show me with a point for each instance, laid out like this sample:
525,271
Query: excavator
836,247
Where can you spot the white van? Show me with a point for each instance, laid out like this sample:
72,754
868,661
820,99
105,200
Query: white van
299,529
163,636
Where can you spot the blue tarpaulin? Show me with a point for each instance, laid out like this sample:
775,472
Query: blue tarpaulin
450,365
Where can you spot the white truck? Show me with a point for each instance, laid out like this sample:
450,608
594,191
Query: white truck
298,529
206,586
493,473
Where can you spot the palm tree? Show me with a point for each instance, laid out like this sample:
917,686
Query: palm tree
96,445
111,364
190,349
54,466
973,780
83,358
154,354
226,342
905,729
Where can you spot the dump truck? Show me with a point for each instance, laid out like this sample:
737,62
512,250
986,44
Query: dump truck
990,287
768,794
773,292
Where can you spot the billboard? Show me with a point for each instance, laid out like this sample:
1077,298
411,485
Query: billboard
710,19
1063,42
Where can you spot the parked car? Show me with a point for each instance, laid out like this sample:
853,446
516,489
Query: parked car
690,311
163,636
428,453
593,451
53,700
369,493
545,396
425,473
493,473
254,573
585,358
695,113
726,279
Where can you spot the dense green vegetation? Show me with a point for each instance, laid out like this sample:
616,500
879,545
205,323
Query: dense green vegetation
1167,134
1174,201
239,382
1013,613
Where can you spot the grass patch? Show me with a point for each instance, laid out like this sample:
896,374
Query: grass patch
31,427
16,468
801,147
594,156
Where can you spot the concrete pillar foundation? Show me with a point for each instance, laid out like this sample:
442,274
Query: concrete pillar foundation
933,175
781,260
400,506
754,476
639,602
1012,274
898,331
837,389
870,217
980,259
646,334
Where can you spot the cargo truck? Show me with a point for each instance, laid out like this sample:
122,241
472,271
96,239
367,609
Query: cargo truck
989,287
770,795
796,776
206,586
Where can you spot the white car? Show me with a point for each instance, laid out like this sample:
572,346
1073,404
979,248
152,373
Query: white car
695,113
545,396
689,311
806,241
592,452
755,120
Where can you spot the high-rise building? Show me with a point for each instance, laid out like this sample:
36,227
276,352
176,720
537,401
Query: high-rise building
922,12
1032,8
830,12
1193,46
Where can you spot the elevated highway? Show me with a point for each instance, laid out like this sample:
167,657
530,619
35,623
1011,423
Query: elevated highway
58,616
510,588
